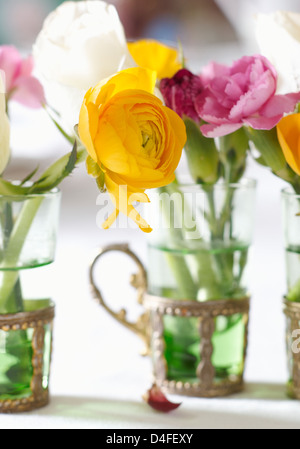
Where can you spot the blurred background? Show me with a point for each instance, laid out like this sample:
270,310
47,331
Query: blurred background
220,30
189,20
201,25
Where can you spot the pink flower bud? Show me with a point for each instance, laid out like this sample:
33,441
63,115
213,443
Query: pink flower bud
21,85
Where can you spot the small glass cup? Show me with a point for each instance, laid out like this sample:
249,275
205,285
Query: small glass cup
195,290
291,219
28,231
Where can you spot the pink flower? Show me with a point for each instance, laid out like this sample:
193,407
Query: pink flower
243,94
21,86
180,93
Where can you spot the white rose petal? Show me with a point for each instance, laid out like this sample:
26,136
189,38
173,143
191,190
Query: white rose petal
278,36
80,44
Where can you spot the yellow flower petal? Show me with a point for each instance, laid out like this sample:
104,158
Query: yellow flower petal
87,126
288,132
156,56
135,78
136,141
111,219
123,197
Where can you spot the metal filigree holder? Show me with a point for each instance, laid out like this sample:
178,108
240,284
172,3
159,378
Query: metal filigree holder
292,312
150,327
207,312
36,320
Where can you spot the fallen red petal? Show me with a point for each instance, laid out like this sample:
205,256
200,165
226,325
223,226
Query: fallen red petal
158,401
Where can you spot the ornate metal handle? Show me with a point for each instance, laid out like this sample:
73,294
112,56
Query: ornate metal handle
138,281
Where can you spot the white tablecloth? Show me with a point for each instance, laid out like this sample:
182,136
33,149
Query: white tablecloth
98,377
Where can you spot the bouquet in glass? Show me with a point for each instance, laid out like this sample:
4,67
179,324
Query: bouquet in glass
29,211
278,35
107,109
134,143
284,27
227,110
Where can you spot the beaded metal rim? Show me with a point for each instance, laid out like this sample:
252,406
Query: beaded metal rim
292,312
292,309
207,386
36,320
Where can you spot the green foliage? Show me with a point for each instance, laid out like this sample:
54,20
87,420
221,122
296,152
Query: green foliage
271,155
202,155
50,179
266,142
95,171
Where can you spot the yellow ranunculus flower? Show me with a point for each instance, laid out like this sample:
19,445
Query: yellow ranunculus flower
288,132
155,56
133,138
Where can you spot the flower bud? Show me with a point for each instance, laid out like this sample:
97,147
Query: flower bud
233,154
202,155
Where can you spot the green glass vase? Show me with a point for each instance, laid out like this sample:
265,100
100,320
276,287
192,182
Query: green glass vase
28,230
199,254
291,219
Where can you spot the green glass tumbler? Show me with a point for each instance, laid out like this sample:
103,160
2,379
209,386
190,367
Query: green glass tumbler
196,289
28,232
291,219
199,254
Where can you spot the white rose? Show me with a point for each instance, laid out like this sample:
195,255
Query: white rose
4,130
278,36
80,44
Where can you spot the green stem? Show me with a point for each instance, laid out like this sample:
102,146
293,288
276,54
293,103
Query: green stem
14,247
185,283
226,214
217,235
221,231
188,287
15,301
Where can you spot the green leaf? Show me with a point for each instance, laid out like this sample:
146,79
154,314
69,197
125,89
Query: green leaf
55,174
7,188
95,171
50,179
266,142
260,160
72,161
93,168
30,176
70,139
101,182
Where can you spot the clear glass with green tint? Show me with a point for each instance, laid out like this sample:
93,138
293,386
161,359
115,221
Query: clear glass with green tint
28,231
291,222
199,251
291,217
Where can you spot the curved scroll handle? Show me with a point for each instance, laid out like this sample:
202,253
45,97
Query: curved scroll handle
138,281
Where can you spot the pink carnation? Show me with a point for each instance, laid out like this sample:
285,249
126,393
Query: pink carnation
21,86
243,94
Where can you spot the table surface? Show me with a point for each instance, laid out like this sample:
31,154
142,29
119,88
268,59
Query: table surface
98,377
